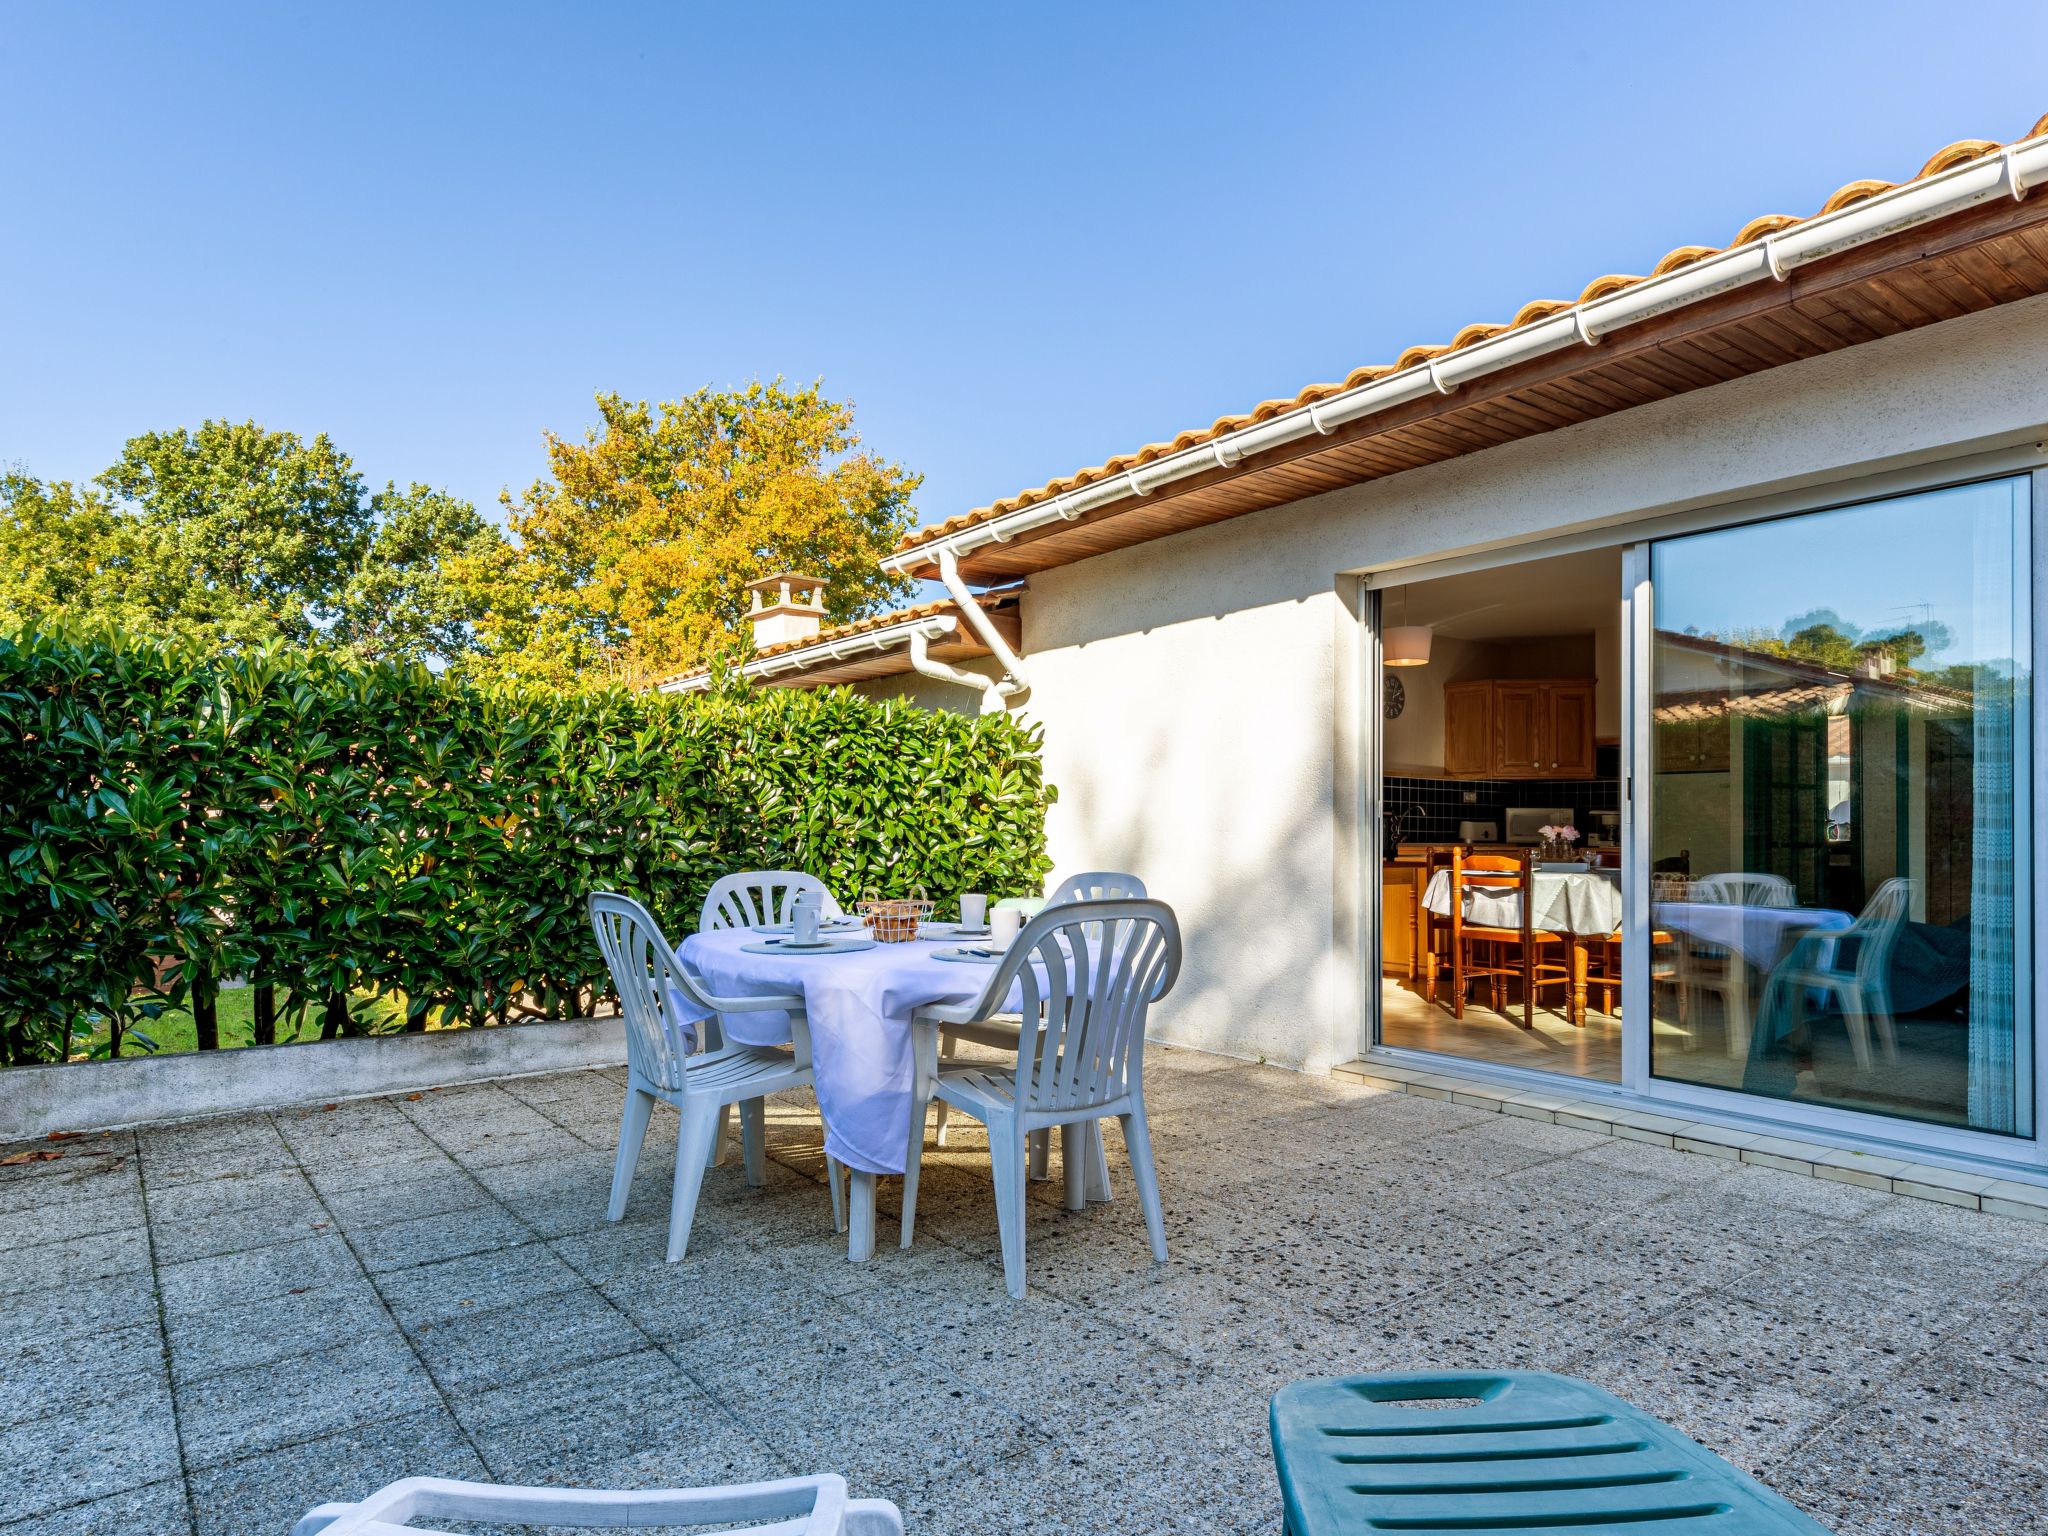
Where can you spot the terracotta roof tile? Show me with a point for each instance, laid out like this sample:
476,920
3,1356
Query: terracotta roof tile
1952,155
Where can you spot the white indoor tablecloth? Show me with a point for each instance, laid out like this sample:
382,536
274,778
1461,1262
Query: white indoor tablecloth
1587,903
1760,935
859,1005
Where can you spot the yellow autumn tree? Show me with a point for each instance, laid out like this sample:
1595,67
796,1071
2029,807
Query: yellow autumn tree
629,560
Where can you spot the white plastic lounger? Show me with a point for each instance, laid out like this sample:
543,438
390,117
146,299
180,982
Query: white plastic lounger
800,1506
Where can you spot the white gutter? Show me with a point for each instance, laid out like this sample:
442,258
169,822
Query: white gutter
991,689
917,632
2012,172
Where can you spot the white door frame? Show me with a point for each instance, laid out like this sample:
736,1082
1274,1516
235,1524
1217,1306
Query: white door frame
1637,1083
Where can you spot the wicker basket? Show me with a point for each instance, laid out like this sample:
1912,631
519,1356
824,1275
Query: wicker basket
893,919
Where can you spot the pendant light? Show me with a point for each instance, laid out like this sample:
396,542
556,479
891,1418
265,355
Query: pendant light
1405,645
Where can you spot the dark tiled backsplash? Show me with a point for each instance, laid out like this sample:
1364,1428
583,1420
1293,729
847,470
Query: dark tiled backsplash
1443,802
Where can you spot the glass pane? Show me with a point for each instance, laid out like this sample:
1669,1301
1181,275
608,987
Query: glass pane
1838,818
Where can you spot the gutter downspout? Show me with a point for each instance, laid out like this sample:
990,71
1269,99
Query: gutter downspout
1013,681
922,664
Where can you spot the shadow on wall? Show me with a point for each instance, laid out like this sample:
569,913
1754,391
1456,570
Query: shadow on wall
1251,890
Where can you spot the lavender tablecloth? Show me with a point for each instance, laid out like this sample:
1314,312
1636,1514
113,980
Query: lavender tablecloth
859,1006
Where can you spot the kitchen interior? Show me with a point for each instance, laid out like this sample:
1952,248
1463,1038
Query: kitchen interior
1501,715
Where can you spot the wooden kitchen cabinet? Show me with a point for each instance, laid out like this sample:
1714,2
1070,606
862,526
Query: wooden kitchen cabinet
1468,730
1397,923
1500,729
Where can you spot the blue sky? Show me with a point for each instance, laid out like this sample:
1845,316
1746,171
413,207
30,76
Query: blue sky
1019,238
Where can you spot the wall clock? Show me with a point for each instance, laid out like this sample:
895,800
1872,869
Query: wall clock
1395,698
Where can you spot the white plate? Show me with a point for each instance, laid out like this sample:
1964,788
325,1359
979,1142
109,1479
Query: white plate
969,956
830,925
950,931
843,945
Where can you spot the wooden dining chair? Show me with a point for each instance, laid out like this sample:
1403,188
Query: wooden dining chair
668,1058
1090,971
1536,957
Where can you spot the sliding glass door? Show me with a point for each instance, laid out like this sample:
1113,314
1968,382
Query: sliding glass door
1837,818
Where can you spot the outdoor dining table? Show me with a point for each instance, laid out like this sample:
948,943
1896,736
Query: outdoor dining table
859,1004
1754,940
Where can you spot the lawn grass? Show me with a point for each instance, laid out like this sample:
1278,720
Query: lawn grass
174,1032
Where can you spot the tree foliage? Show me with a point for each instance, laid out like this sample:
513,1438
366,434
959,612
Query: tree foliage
273,523
633,553
322,824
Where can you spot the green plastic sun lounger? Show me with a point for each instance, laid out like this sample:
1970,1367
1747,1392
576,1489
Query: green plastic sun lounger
1503,1451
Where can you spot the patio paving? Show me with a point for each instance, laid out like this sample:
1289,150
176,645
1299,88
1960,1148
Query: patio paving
209,1327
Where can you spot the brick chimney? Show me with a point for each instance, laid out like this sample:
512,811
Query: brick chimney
786,607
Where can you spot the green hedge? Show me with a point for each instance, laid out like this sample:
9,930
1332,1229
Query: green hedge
326,827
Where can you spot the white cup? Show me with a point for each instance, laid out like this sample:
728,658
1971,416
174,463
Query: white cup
803,918
973,911
1005,923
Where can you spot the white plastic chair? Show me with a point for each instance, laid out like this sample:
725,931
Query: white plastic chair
1864,988
1706,970
1089,972
1744,888
665,1059
755,898
1095,885
1001,1033
800,1506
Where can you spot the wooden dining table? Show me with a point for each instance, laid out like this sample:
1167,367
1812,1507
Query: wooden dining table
1583,905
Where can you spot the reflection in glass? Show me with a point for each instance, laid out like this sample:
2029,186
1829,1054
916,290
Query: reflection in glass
1838,817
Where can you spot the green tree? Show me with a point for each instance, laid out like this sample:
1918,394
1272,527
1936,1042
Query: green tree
403,602
69,553
632,555
264,519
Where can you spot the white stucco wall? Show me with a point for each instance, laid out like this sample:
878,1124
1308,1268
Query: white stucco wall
1200,693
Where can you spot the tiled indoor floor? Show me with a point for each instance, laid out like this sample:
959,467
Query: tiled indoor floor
210,1327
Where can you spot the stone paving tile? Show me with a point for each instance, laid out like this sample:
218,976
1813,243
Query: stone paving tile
479,1350
156,1508
50,1374
275,1269
264,1494
635,1420
88,1171
74,1260
268,1329
425,1239
475,1282
432,1188
1872,1474
1881,1359
800,1387
58,1220
85,1454
243,1413
79,1307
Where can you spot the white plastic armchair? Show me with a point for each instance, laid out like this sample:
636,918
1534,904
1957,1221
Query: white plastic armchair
1001,1032
667,1059
799,1506
1862,988
1089,971
756,898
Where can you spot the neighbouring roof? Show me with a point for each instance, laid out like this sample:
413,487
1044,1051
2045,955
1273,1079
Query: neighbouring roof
1817,314
1001,606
